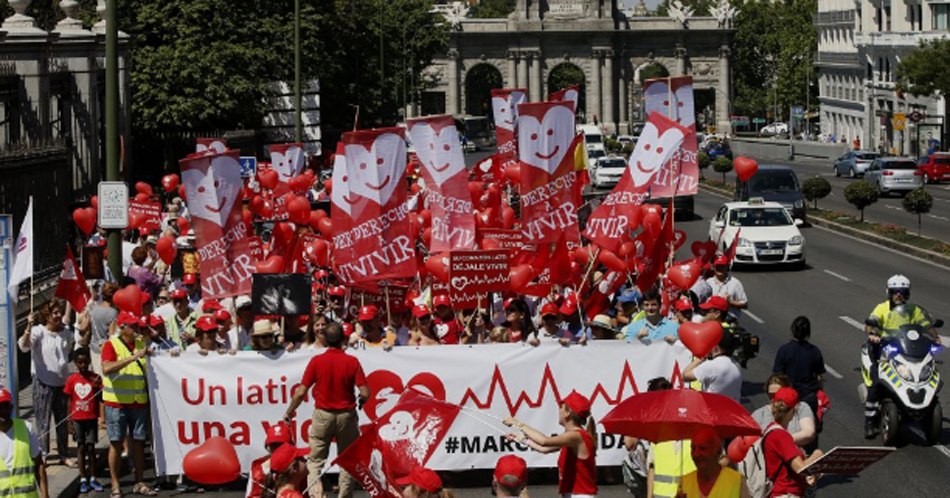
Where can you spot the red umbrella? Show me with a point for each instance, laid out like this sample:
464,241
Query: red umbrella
675,414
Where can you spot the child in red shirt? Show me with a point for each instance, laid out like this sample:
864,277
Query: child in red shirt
84,389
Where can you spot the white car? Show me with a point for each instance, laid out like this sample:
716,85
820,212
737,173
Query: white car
774,129
767,233
593,155
607,171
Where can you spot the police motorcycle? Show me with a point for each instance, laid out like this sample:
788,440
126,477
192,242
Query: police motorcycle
908,380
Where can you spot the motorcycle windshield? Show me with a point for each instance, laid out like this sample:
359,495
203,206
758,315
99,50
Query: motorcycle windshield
911,340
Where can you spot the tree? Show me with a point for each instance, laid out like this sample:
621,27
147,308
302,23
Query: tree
700,7
723,165
815,188
919,72
653,70
492,9
861,195
566,75
704,161
918,202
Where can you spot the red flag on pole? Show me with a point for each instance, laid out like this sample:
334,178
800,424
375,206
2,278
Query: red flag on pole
504,102
72,285
570,94
655,263
364,461
731,251
673,97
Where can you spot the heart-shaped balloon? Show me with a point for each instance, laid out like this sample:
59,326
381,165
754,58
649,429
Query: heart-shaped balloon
582,255
745,167
142,196
182,194
704,250
626,249
611,260
700,338
651,208
507,217
438,266
273,264
298,210
85,219
328,185
426,236
137,220
652,223
256,204
315,216
144,188
325,225
679,238
94,202
129,299
321,252
425,216
489,243
170,183
214,462
684,274
283,233
183,225
740,446
520,276
165,247
268,178
513,173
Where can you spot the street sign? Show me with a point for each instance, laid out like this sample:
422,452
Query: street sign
899,121
798,112
758,120
740,120
113,205
248,166
915,116
8,349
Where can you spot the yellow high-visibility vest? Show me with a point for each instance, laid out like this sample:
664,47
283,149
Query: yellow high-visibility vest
667,463
20,481
127,386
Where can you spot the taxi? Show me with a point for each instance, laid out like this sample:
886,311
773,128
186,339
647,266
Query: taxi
767,233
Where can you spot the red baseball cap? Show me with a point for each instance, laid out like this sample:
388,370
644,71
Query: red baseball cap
143,322
683,304
282,457
511,471
222,315
155,320
368,312
420,311
716,303
211,305
278,433
422,477
126,318
206,323
549,309
721,261
441,300
347,329
5,396
337,291
787,395
578,403
189,279
509,302
569,306
179,294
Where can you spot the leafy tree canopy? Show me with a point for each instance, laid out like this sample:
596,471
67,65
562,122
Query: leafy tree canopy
923,70
492,9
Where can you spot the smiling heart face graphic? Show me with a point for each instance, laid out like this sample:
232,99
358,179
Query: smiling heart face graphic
340,195
210,144
543,143
505,107
439,149
82,389
374,172
683,100
653,150
287,160
212,193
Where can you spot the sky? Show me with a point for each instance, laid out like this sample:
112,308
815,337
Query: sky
631,3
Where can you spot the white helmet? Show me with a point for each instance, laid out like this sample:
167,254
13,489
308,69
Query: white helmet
898,282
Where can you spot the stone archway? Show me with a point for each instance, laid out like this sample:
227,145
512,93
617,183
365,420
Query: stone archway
648,70
567,74
479,82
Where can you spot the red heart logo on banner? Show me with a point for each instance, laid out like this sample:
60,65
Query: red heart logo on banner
745,167
684,274
129,299
704,250
85,219
700,338
273,264
214,462
387,386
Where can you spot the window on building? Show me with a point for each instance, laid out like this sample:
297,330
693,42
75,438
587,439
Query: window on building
879,18
880,69
887,69
887,17
920,17
9,110
870,72
940,12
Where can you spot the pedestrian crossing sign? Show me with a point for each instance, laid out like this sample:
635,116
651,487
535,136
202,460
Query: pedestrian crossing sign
899,121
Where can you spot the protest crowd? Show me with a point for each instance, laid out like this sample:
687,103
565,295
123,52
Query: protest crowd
275,274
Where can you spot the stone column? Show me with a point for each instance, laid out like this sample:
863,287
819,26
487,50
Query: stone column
452,105
596,91
522,70
680,60
724,93
29,60
610,118
512,69
623,98
536,82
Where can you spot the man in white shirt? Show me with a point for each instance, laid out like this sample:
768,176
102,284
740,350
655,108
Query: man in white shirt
724,285
719,374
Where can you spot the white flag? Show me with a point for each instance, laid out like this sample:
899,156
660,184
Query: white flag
23,255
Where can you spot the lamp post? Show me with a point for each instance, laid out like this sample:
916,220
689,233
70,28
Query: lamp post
298,121
114,240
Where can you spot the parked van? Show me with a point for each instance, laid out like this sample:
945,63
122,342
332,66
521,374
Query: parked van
593,137
774,183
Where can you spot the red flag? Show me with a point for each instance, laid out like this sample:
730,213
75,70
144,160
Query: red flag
599,299
619,214
655,263
443,168
211,144
364,461
72,285
504,102
730,253
570,94
673,97
213,186
410,433
560,263
288,161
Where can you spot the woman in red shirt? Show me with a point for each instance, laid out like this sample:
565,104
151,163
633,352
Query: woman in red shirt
781,453
577,464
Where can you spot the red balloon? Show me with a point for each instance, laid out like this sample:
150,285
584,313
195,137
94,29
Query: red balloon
166,249
626,249
321,252
214,462
652,223
328,185
648,208
475,189
136,220
273,264
610,260
85,219
283,233
582,255
438,266
415,188
268,178
745,167
325,225
427,236
298,210
142,196
513,173
143,188
679,238
684,274
700,338
248,221
94,202
315,217
170,183
521,276
740,446
426,217
181,193
129,299
507,217
183,225
267,209
704,250
299,183
490,243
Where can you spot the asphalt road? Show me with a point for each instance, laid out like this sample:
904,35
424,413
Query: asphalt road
887,210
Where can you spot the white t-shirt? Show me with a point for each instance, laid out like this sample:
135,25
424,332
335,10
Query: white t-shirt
7,444
731,289
50,352
720,375
239,337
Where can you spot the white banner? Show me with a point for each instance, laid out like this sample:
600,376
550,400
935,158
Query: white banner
196,397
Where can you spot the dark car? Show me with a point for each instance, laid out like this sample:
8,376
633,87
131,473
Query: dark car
774,183
718,149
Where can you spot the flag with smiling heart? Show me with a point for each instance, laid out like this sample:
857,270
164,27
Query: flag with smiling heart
546,145
213,187
612,223
504,103
447,194
288,161
673,98
379,243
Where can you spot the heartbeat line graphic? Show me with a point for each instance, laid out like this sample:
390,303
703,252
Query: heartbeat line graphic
627,380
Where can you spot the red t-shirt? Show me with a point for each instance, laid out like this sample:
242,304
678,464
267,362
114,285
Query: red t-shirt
448,331
109,354
780,450
84,395
336,375
578,476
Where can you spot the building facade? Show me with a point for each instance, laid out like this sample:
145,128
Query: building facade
840,72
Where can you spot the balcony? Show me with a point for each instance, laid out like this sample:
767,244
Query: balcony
834,18
892,39
838,59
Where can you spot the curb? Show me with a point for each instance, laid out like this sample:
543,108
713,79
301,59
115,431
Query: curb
931,256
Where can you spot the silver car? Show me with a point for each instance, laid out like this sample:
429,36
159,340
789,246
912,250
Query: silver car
854,163
894,174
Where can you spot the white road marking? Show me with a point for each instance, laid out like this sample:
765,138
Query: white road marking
753,317
834,373
943,449
941,218
852,322
944,340
838,275
896,208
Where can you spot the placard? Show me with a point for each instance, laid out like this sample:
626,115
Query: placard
283,294
507,239
113,205
848,459
475,273
152,212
